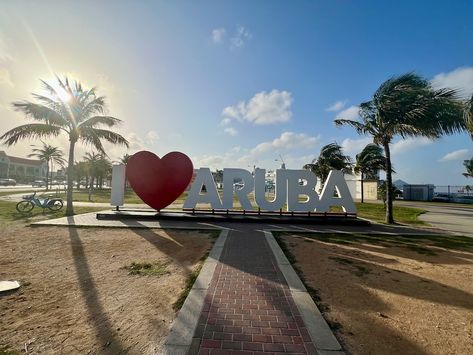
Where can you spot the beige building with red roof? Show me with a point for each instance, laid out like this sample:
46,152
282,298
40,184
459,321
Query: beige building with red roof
21,168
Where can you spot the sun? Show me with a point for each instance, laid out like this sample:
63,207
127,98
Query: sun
63,95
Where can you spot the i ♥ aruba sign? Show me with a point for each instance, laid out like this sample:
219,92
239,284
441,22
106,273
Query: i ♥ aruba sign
160,181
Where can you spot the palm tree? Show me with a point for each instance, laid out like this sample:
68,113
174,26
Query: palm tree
124,159
468,114
69,109
91,160
104,170
368,162
407,106
81,170
331,157
468,164
49,154
468,189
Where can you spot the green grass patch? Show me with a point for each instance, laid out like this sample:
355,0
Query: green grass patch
5,350
358,270
194,274
189,283
9,214
376,212
97,195
156,268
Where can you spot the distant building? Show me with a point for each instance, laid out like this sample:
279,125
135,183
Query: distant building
370,187
21,168
419,192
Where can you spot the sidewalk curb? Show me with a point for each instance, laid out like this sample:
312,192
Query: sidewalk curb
322,336
179,340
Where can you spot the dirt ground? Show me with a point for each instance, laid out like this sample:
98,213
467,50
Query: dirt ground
76,297
387,299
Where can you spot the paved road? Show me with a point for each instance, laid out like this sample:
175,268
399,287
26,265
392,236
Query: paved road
453,218
19,188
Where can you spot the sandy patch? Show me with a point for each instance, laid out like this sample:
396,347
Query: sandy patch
387,299
77,298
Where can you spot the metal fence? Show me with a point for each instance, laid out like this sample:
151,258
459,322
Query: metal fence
455,193
447,193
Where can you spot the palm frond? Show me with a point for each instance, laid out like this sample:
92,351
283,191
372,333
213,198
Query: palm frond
92,105
358,126
92,122
41,113
29,131
88,136
111,137
94,136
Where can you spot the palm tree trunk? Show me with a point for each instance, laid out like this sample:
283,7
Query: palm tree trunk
389,184
70,175
47,175
362,190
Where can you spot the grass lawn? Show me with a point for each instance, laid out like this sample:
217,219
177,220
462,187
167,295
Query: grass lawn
99,196
9,214
377,213
371,211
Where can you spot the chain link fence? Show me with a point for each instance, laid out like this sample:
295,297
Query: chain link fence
455,193
445,193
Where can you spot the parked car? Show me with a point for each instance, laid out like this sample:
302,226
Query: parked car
7,182
441,198
38,183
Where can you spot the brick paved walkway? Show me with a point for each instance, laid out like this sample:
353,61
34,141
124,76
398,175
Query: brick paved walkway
249,308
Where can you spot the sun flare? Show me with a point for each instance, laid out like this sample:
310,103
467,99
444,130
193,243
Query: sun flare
63,95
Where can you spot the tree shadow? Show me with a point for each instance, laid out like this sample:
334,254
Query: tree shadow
104,331
361,310
166,241
359,257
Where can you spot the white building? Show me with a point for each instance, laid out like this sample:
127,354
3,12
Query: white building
21,168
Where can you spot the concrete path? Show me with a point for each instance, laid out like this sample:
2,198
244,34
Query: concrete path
453,218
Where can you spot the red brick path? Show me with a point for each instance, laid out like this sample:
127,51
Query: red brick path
248,308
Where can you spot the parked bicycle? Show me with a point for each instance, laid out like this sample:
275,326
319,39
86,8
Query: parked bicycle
30,201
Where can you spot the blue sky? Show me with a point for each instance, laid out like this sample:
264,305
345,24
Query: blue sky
241,83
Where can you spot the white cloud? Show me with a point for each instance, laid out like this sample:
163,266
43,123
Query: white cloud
354,146
231,131
151,137
218,35
5,78
337,106
263,108
211,161
263,155
136,142
287,141
460,78
460,154
350,113
241,36
405,145
226,122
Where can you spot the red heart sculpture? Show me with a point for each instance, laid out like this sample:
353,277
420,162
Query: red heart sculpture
158,182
